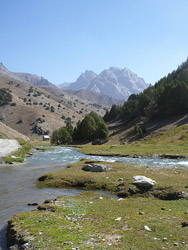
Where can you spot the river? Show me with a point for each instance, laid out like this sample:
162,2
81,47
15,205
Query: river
17,181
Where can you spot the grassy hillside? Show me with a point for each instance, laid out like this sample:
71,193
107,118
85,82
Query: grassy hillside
172,130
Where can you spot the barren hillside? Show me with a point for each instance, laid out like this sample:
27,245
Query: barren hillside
35,111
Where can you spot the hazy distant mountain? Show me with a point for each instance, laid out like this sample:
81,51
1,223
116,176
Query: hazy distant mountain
115,82
25,77
94,97
82,82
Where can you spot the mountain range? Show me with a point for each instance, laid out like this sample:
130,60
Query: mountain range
84,80
34,80
115,82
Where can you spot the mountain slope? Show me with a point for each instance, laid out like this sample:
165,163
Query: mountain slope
114,82
35,111
94,97
158,109
26,77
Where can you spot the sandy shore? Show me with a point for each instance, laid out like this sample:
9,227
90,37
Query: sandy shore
8,146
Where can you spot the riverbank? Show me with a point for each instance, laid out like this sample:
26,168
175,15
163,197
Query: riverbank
95,221
136,150
19,152
118,179
8,146
138,220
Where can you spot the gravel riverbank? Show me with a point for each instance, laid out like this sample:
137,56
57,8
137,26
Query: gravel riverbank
7,146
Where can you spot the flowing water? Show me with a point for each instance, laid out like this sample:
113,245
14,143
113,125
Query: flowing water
17,182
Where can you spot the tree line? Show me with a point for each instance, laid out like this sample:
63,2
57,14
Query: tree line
168,97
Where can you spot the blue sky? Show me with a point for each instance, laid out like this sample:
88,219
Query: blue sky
59,39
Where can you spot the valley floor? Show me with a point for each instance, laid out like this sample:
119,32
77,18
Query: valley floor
155,219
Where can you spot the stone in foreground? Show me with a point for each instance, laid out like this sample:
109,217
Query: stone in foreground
143,181
96,167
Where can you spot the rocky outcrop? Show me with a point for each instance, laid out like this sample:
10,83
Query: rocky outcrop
96,167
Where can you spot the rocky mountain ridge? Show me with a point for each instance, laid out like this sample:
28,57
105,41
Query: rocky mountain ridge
115,82
33,79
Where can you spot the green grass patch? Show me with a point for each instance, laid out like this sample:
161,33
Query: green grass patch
40,143
119,179
95,221
174,131
10,160
139,148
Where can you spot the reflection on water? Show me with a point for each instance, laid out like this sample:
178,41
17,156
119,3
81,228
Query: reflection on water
17,182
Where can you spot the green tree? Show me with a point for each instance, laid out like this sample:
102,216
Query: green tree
102,131
91,127
55,137
87,128
115,112
69,128
63,136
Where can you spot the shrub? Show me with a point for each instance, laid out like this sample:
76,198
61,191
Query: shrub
140,130
19,121
52,109
5,96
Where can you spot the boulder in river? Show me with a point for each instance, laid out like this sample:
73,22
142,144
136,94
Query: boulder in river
32,204
143,181
93,167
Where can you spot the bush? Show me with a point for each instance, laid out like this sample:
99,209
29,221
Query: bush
52,109
140,130
13,104
5,96
19,121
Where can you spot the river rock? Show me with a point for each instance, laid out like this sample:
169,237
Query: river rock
120,179
147,228
143,181
32,204
93,167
